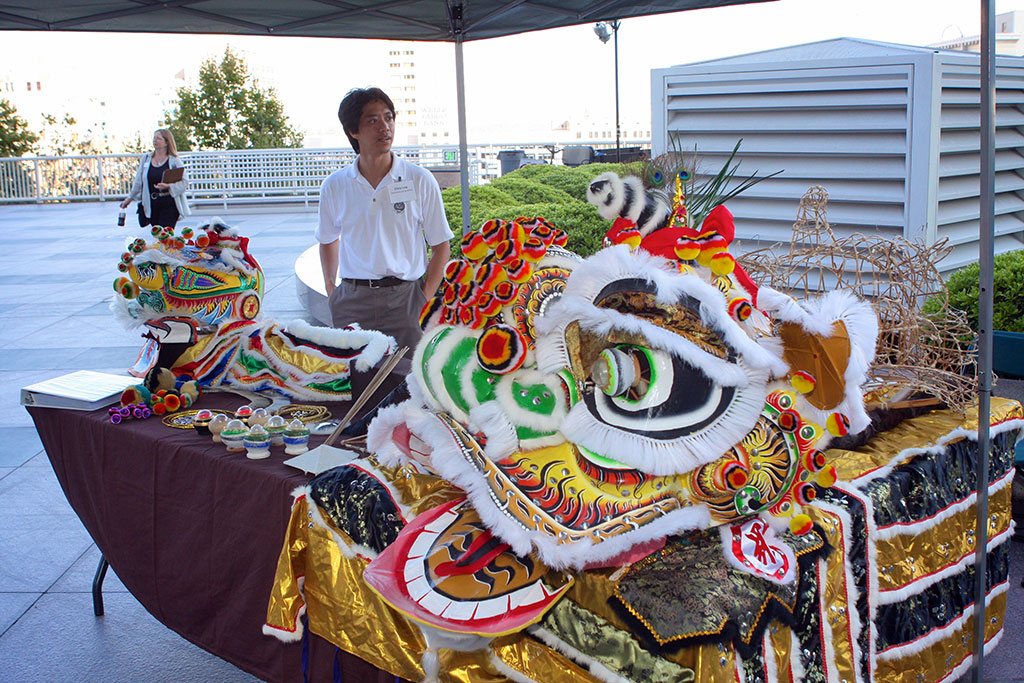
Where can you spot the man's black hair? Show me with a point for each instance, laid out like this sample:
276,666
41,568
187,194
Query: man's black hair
352,108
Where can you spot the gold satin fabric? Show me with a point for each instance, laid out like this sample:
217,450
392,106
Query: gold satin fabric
343,610
710,663
304,361
341,607
834,591
905,558
935,662
916,432
593,589
781,640
537,661
286,597
199,349
421,492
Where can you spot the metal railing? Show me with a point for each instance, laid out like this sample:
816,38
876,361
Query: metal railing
233,177
40,179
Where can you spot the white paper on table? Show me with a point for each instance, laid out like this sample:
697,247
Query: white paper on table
80,390
321,459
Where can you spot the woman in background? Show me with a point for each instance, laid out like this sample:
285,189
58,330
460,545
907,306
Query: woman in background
160,203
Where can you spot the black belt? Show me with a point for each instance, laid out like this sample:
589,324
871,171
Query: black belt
389,281
158,195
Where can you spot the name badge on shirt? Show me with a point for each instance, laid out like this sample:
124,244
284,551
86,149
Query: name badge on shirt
401,192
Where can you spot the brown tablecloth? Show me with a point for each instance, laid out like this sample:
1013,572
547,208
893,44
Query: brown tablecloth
193,531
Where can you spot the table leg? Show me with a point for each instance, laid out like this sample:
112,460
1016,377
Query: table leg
97,587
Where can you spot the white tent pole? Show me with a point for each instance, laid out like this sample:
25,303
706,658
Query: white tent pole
986,224
460,88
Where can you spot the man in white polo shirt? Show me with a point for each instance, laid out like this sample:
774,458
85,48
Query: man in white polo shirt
377,218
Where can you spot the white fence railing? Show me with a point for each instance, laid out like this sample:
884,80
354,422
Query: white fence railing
237,176
41,179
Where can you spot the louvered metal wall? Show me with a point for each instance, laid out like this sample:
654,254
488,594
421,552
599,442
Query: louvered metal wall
893,138
958,156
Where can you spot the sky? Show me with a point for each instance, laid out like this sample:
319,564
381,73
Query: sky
528,81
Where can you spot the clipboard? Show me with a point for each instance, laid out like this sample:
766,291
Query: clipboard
172,175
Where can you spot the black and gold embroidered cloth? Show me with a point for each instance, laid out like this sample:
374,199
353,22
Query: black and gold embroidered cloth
687,593
931,482
359,505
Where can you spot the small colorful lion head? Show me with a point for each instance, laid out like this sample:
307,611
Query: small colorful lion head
208,276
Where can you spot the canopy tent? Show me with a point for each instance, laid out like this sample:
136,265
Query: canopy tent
430,20
453,21
458,21
436,20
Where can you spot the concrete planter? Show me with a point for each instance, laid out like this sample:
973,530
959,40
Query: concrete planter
1008,354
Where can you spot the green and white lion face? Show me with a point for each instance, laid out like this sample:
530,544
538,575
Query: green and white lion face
624,397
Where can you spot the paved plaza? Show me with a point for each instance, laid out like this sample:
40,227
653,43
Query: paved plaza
57,264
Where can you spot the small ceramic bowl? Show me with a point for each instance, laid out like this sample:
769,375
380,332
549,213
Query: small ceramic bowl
259,416
233,435
243,414
276,426
201,422
257,443
217,425
296,438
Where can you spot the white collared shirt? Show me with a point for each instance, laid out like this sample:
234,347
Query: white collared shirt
380,237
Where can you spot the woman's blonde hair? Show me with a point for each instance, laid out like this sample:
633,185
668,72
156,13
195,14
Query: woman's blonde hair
168,136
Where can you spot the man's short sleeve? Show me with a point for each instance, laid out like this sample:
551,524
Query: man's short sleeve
435,224
326,229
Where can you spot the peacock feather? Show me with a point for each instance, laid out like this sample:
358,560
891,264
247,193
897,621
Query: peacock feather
674,172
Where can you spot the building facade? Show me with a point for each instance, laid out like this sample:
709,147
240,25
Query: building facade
890,131
1009,37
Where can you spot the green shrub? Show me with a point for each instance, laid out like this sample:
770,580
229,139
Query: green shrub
575,181
557,193
529,191
514,211
534,171
1008,293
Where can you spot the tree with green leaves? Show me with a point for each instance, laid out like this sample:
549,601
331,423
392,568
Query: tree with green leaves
229,110
137,145
63,136
15,137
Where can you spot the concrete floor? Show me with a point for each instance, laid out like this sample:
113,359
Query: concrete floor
57,266
57,263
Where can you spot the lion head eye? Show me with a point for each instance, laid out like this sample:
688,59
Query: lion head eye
651,392
623,371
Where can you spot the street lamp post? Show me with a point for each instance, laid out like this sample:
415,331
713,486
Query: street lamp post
601,29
